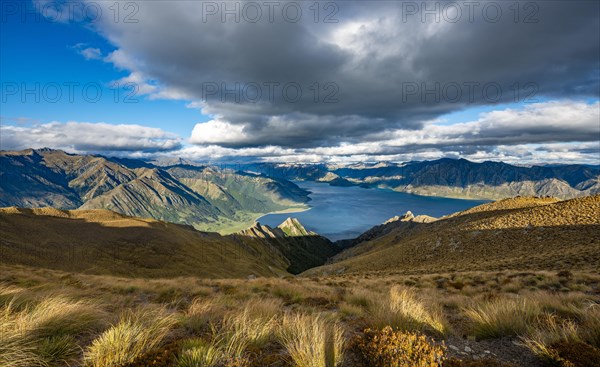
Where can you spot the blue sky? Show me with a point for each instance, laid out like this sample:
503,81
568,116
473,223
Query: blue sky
365,60
40,51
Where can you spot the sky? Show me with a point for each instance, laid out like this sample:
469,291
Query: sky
303,81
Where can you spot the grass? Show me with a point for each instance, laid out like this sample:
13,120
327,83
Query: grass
198,353
41,333
136,333
405,310
54,319
502,317
312,340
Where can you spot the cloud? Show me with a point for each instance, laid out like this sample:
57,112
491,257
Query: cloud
370,62
89,53
374,84
88,137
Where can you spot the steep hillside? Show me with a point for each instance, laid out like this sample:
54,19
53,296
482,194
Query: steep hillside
452,178
207,198
104,242
518,233
304,249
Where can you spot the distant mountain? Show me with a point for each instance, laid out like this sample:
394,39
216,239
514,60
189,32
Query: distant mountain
524,233
205,197
457,178
304,249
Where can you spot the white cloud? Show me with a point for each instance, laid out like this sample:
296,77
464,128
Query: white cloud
88,137
217,132
91,53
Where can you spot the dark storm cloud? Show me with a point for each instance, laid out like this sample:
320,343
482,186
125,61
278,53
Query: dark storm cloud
379,58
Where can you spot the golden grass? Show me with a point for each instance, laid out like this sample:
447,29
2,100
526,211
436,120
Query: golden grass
549,331
405,310
502,317
590,326
136,333
312,341
253,323
38,333
198,353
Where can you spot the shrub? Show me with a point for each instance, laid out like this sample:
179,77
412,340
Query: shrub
502,317
136,333
487,362
576,354
312,341
389,348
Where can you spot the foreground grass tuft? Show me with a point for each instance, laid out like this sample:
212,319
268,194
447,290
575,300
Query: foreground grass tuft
502,317
136,333
312,341
404,310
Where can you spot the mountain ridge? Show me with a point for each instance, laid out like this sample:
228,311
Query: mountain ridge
180,193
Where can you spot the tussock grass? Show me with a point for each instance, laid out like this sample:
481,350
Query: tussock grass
404,310
18,351
198,353
550,330
565,305
247,328
136,333
35,334
502,317
312,341
590,325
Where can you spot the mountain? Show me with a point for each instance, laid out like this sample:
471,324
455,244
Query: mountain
208,198
457,178
105,242
304,249
519,233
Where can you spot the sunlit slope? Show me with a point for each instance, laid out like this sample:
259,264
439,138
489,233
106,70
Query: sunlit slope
104,242
518,233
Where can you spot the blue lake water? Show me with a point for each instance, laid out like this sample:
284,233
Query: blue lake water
345,212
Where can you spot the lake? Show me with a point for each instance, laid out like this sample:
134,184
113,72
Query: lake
345,212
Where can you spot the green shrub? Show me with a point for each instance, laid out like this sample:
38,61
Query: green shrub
389,348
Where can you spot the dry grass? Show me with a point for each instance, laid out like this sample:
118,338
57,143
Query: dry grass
198,353
405,310
258,323
136,333
502,317
312,341
550,330
590,326
39,333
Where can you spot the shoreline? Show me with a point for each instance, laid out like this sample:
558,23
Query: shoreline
285,211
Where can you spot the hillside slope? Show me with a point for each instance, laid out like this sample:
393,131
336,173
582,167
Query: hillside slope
104,242
518,233
304,249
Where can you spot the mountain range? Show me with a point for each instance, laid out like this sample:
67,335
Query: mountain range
205,197
456,178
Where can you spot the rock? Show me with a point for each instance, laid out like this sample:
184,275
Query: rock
454,348
468,349
251,277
